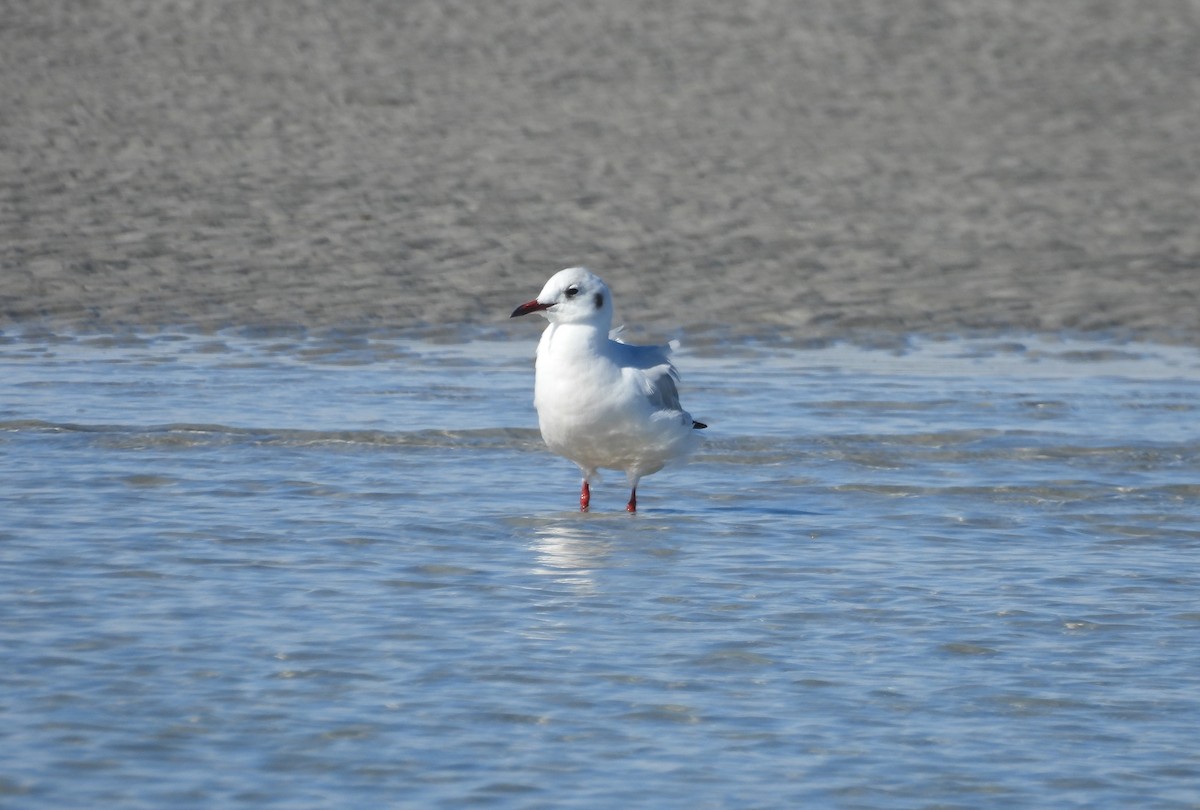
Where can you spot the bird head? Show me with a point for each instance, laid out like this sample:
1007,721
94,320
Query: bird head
574,295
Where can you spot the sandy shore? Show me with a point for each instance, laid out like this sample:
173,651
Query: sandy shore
800,171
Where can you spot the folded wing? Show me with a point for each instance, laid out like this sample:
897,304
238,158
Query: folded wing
656,373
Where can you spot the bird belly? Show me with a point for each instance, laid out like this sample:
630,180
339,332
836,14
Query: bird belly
597,428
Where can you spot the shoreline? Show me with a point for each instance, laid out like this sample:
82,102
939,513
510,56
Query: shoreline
698,342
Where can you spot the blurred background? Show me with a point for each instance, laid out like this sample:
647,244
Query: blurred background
800,171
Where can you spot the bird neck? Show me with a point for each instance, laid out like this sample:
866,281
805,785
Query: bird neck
569,338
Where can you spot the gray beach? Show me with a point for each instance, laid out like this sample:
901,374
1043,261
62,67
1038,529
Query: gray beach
797,171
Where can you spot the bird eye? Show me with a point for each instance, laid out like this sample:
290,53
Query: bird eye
572,291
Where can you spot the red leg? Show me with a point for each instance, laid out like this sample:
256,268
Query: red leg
585,497
632,505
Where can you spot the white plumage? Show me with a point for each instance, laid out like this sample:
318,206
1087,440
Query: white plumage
602,403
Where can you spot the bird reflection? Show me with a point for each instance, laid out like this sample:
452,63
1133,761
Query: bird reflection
569,554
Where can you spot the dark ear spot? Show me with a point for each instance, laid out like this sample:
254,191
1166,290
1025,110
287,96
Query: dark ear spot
599,299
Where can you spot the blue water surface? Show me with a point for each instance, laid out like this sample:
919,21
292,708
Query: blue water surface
297,571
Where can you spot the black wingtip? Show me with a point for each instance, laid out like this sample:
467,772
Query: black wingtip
698,425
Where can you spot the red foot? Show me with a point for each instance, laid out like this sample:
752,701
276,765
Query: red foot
632,505
585,497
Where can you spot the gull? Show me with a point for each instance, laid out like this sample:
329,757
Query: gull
601,402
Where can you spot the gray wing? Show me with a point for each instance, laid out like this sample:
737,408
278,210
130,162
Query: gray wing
658,374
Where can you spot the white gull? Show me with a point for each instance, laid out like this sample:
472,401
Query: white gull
601,402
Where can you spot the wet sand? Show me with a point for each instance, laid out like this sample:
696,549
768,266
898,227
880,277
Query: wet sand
800,172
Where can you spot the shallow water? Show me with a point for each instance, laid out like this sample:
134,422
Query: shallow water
293,571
